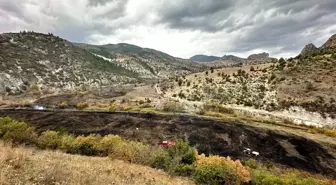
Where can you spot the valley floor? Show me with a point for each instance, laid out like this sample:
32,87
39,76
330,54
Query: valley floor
28,166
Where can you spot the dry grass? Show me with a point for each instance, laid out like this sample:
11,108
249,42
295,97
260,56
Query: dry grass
23,166
12,160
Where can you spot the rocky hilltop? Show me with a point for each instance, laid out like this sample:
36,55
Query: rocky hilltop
204,58
309,48
231,60
331,42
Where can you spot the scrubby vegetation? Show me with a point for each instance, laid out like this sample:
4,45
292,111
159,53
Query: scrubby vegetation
173,107
179,159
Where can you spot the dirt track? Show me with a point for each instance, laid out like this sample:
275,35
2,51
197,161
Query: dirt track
222,137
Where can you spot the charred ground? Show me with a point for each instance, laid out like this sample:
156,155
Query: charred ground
209,135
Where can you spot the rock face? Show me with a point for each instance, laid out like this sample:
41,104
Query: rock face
204,58
309,49
331,42
260,56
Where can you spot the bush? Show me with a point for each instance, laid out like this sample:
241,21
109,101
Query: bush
173,107
214,107
49,140
134,152
69,144
288,177
180,82
113,108
88,145
183,151
82,105
220,170
252,163
175,158
15,131
108,143
63,105
185,170
214,175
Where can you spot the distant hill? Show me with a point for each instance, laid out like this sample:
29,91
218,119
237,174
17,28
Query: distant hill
204,58
48,63
231,60
148,63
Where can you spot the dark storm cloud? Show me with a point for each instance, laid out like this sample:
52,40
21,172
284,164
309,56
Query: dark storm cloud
14,9
98,2
197,14
220,26
286,26
262,23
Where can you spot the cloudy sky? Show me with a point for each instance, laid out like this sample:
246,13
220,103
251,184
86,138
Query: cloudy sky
181,28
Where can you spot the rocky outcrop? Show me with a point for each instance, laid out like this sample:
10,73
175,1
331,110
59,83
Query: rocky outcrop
204,58
331,42
260,56
309,49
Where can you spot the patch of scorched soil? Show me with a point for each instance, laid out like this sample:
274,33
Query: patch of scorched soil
210,136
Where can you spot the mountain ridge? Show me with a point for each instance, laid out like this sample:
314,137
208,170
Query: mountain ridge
50,64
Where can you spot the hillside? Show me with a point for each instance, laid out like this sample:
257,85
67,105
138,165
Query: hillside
234,61
27,166
148,63
204,58
309,80
41,62
300,89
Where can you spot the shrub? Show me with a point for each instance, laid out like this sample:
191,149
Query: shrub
219,170
186,170
188,83
141,102
214,175
113,108
63,105
134,152
180,82
49,139
15,131
69,144
108,143
252,163
175,158
183,151
88,145
82,105
214,107
173,107
331,133
162,161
